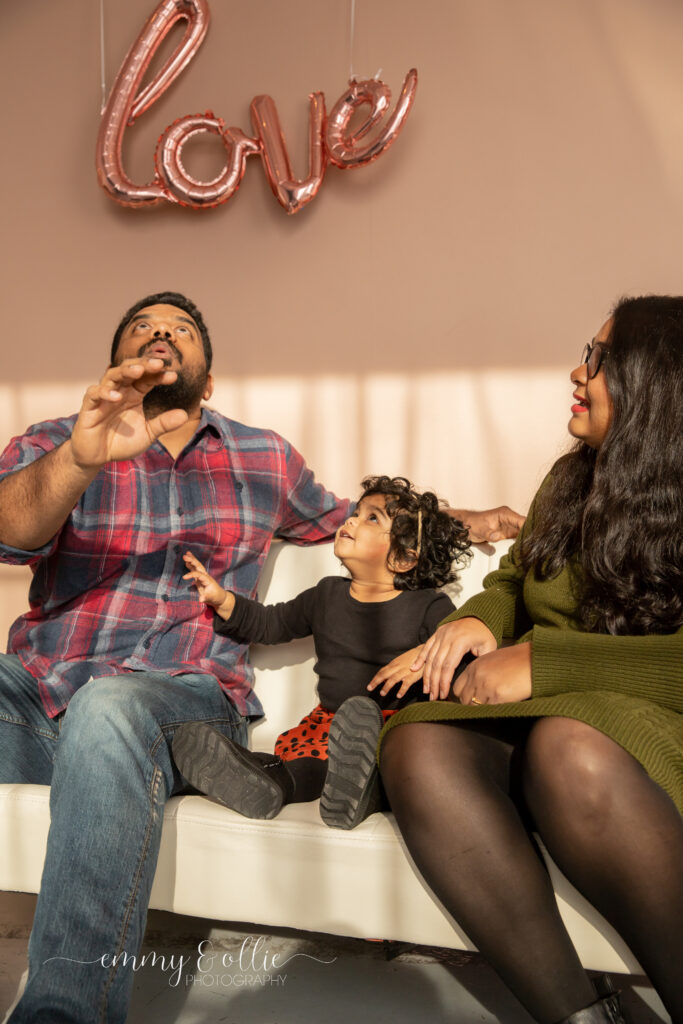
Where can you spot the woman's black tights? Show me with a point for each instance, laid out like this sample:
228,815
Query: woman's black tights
464,795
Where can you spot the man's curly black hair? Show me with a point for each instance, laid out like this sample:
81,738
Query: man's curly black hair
443,539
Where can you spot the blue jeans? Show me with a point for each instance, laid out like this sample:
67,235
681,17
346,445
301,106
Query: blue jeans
108,761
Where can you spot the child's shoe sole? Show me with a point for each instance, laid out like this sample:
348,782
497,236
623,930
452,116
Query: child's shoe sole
225,771
352,786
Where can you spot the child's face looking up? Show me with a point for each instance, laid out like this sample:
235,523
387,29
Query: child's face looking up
363,542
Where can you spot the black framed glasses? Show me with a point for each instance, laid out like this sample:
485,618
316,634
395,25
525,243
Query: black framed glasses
593,354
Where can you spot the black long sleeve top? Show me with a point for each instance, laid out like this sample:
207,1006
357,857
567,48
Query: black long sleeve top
353,639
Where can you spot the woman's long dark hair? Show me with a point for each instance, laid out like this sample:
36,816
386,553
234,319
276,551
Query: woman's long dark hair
620,507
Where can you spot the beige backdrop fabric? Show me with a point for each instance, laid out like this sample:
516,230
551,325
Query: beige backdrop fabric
423,313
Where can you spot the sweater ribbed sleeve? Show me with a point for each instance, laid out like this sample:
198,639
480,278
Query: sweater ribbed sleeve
650,667
500,605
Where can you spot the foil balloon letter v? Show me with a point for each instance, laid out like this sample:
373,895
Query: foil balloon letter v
330,138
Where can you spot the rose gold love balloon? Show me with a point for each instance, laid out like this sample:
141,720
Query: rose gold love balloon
332,142
342,146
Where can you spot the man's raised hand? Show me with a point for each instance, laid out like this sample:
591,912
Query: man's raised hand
111,424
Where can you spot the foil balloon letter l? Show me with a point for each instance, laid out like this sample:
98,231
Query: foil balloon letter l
124,106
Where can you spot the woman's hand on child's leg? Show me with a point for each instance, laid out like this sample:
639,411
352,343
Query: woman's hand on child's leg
440,656
397,671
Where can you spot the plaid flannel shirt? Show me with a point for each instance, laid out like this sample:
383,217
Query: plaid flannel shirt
107,595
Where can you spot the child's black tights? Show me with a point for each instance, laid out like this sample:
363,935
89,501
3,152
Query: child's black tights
308,775
456,790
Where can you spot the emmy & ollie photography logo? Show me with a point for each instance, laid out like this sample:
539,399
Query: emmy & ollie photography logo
254,964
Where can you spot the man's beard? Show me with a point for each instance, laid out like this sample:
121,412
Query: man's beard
186,392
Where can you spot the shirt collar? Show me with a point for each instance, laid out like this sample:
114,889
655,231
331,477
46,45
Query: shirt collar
209,431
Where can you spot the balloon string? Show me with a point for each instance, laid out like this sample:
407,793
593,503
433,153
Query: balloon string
102,70
352,28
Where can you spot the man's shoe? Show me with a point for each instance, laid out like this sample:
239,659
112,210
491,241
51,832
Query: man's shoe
252,783
352,789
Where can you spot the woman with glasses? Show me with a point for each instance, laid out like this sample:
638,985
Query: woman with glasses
574,730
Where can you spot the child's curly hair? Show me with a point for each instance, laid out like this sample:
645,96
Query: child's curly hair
420,525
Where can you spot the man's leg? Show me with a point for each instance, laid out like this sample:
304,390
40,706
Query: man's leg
112,775
28,738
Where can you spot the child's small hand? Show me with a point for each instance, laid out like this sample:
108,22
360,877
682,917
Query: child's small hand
398,671
209,590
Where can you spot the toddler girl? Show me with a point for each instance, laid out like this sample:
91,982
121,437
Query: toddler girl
397,546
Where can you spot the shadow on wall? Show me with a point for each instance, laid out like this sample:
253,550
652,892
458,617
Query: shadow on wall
479,439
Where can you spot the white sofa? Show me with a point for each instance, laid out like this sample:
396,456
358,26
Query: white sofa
292,871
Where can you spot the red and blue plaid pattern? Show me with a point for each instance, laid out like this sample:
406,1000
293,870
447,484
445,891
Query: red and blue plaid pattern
107,594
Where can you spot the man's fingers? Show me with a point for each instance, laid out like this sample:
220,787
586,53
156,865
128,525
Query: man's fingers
142,374
167,421
98,393
117,379
509,523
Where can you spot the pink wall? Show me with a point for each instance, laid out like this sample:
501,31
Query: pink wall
421,314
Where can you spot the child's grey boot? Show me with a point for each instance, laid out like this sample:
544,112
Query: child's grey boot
252,783
352,789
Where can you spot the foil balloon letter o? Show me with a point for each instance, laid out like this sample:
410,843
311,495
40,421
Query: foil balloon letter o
179,185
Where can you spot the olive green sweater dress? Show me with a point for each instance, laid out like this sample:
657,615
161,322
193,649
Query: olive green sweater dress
628,687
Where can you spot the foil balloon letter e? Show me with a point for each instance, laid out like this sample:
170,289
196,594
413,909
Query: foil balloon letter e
343,147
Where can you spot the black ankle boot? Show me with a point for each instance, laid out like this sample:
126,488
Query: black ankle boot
252,783
352,789
604,1011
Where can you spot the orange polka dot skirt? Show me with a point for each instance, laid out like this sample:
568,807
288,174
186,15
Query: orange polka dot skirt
309,737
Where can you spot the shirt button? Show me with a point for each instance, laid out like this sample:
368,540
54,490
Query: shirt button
147,643
164,597
179,511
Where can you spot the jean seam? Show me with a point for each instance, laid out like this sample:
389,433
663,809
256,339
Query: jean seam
26,725
216,720
134,892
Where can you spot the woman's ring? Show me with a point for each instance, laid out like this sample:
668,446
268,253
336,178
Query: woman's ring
475,701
